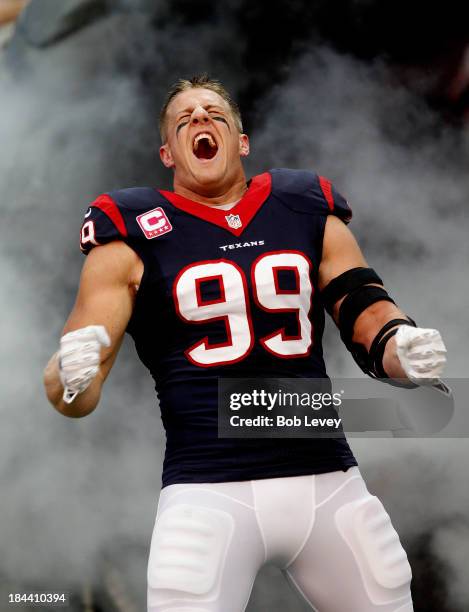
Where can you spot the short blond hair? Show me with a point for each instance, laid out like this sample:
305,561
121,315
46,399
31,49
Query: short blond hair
202,81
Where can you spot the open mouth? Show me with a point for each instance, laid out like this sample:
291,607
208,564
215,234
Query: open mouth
204,146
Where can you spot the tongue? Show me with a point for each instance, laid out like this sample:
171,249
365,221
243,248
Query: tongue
204,150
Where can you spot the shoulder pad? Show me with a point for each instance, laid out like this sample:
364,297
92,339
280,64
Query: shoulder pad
306,192
136,198
112,216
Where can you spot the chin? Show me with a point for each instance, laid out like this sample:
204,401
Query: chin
208,175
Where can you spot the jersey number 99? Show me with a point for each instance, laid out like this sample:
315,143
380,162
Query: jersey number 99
232,306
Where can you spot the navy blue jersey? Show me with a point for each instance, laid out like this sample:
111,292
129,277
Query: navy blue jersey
227,294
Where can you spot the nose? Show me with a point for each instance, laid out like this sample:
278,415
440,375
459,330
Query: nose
199,115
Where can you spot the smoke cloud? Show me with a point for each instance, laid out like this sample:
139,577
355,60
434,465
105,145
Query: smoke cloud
78,119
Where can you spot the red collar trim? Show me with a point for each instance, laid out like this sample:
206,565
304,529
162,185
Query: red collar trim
258,192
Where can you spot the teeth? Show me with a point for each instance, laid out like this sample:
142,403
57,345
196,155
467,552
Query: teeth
199,137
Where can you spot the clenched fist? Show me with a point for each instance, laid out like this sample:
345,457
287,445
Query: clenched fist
422,354
79,358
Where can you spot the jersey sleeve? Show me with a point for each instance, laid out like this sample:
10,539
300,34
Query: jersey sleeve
103,223
335,201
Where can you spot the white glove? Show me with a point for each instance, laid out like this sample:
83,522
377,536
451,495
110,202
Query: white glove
422,354
79,358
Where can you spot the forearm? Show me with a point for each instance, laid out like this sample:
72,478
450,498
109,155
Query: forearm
369,324
413,354
391,364
82,405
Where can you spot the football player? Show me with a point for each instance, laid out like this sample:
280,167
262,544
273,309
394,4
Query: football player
229,277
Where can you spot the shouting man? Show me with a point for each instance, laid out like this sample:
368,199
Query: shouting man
229,277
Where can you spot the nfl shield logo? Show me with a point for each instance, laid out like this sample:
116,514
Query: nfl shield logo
234,221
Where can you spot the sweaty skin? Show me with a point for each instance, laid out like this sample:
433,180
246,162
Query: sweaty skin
112,273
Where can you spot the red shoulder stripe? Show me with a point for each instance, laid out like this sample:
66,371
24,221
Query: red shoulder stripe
107,205
327,191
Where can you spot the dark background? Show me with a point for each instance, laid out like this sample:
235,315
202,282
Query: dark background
371,94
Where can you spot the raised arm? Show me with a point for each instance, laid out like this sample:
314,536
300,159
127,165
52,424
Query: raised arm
106,294
413,353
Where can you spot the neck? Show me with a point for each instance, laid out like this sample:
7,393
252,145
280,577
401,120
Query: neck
214,197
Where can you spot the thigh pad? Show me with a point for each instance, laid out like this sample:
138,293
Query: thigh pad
366,527
188,549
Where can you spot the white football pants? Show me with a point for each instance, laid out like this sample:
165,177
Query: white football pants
331,538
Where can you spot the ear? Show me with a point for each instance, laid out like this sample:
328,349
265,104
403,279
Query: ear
166,157
243,145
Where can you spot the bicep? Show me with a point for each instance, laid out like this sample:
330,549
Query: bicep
105,296
340,251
